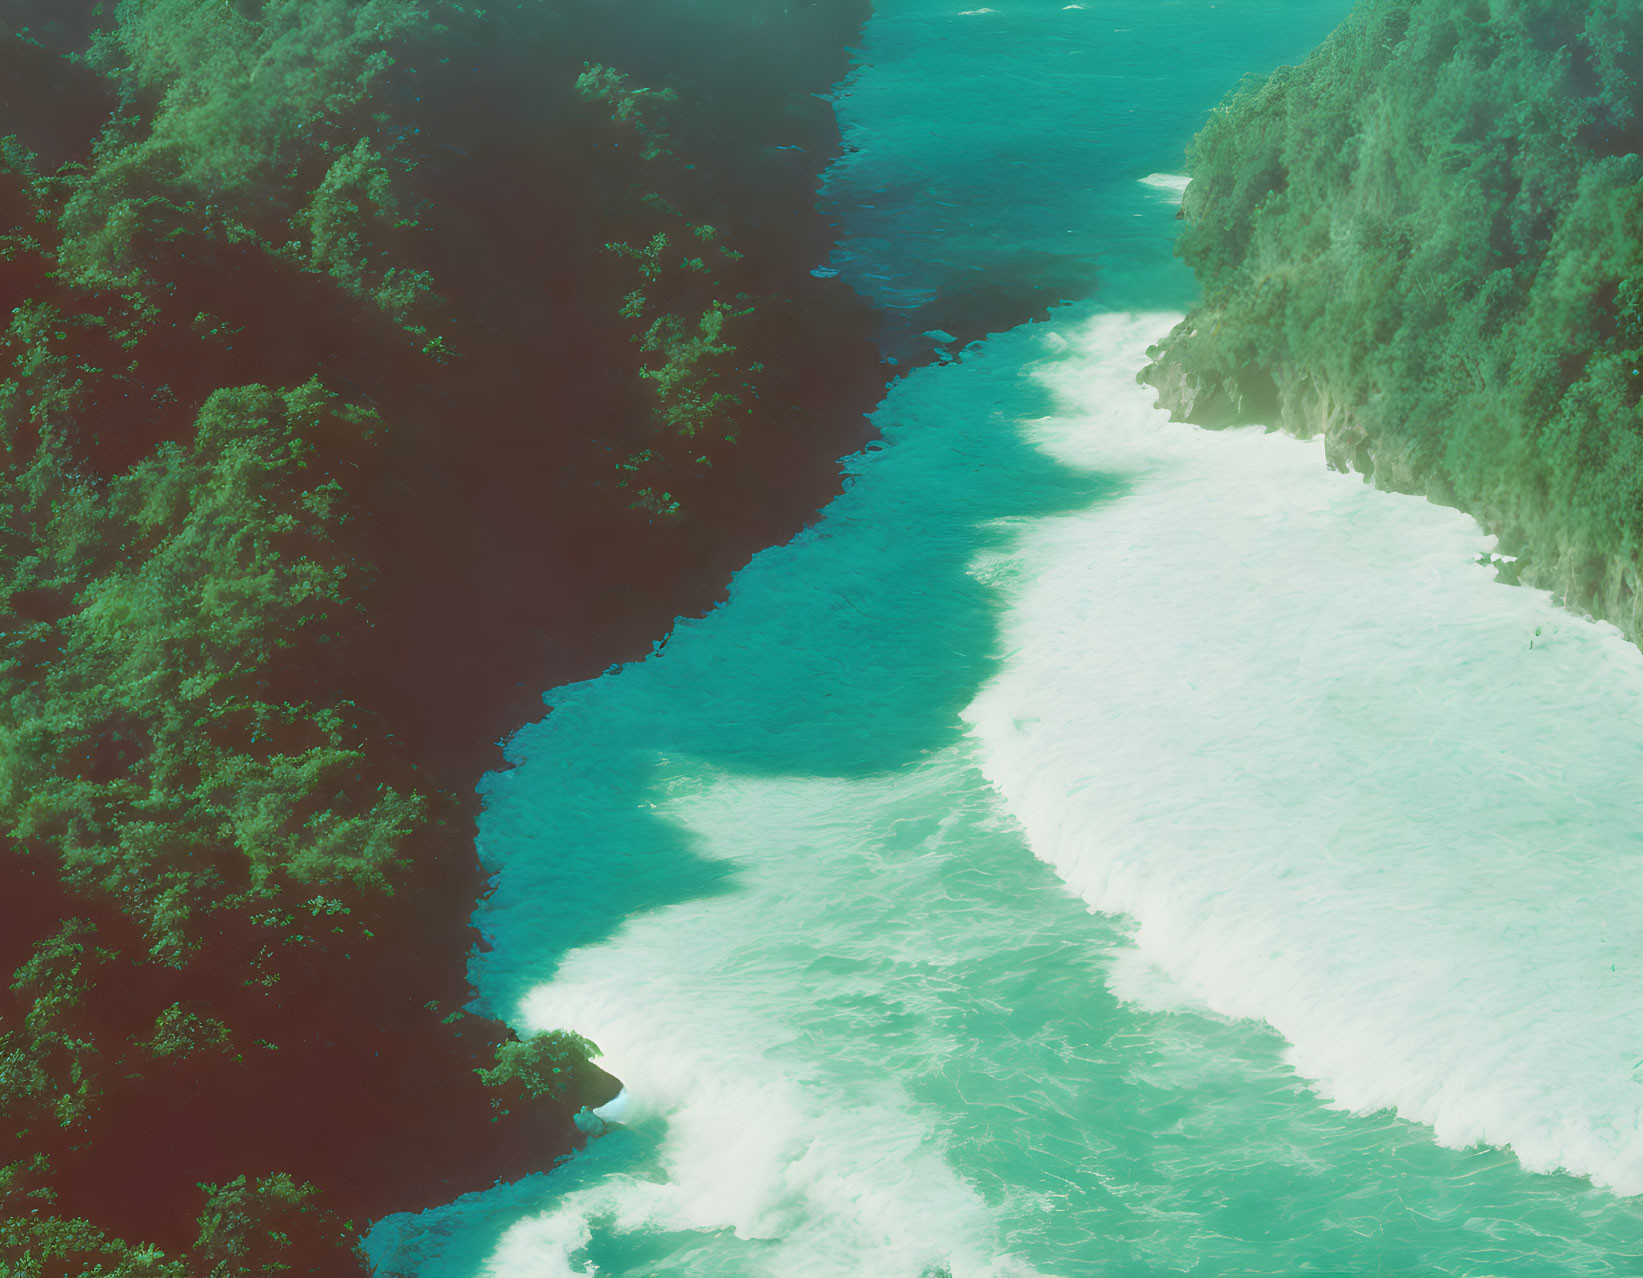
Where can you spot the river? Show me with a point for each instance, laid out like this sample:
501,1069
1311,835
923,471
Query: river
1097,846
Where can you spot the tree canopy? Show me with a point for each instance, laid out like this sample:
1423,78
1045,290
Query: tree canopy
1427,241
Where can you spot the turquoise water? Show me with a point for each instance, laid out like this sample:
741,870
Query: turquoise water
1098,846
1000,150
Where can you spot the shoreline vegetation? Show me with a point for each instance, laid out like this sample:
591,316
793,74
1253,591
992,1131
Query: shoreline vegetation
1425,243
370,367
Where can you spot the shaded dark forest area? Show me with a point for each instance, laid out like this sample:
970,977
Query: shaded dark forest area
371,366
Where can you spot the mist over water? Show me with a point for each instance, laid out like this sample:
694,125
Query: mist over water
819,875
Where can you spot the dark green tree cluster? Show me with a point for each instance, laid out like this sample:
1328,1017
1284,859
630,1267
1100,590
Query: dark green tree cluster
353,351
210,835
685,307
1426,242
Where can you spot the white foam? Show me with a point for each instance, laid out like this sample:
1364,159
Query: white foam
1287,724
615,1109
817,1161
1171,185
1137,978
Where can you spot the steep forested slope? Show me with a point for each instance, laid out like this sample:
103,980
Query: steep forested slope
369,366
1427,242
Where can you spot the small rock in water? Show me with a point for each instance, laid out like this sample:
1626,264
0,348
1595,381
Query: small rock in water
587,1121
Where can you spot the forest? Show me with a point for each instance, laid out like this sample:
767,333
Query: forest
1426,243
370,366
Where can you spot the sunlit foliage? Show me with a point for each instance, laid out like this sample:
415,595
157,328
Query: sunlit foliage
248,140
1428,239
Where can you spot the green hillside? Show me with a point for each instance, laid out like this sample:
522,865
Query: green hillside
1426,242
368,366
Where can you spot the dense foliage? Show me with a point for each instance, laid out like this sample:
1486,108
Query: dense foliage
1427,241
344,337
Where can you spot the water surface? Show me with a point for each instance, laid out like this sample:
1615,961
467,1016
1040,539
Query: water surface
1098,846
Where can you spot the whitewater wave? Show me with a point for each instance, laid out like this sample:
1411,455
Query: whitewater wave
1273,717
1170,185
1345,782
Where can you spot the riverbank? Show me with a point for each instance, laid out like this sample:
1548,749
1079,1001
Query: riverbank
371,369
1449,300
